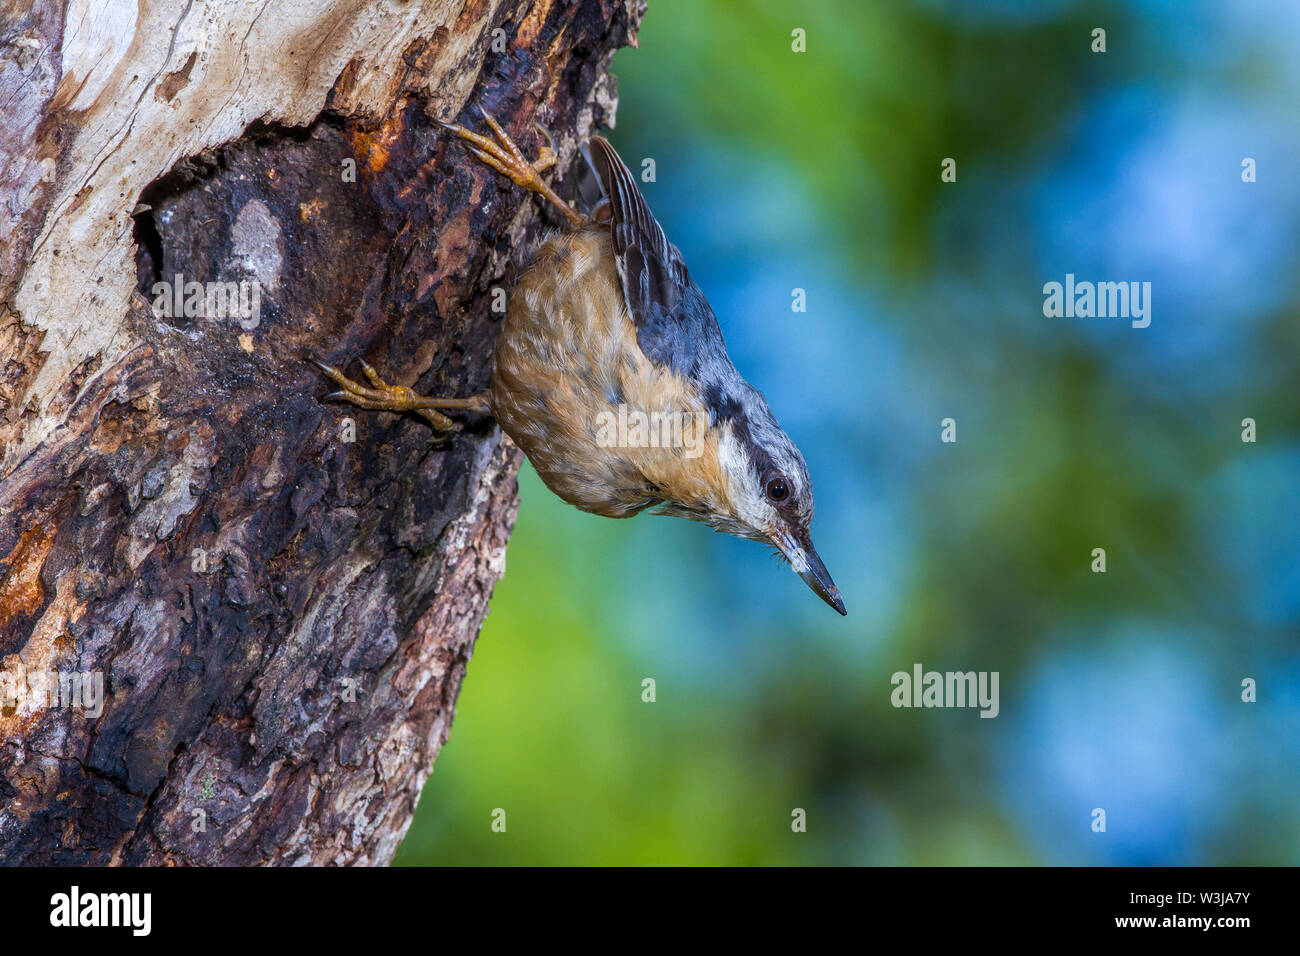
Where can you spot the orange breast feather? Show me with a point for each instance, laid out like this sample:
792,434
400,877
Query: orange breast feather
567,354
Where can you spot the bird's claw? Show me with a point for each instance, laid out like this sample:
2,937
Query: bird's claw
382,397
500,153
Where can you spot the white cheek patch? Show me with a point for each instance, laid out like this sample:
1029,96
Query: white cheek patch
735,464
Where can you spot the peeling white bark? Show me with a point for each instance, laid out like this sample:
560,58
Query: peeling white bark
152,82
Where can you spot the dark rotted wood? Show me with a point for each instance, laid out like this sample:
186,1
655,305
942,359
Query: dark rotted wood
285,704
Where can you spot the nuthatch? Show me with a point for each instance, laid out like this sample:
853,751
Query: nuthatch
605,320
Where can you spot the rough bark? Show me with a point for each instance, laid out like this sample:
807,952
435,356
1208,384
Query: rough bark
282,617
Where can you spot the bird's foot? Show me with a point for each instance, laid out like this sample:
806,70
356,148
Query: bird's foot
381,396
500,152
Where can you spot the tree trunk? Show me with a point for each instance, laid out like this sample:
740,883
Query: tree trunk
279,595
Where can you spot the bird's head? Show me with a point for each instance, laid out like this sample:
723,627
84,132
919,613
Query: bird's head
764,492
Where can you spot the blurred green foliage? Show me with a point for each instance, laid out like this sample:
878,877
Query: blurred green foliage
1118,690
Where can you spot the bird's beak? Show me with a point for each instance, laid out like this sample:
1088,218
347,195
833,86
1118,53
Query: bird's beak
799,551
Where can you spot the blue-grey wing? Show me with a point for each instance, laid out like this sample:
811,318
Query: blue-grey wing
674,322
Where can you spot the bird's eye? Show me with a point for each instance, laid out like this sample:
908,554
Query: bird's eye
778,489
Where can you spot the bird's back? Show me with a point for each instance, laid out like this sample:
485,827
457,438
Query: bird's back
567,358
